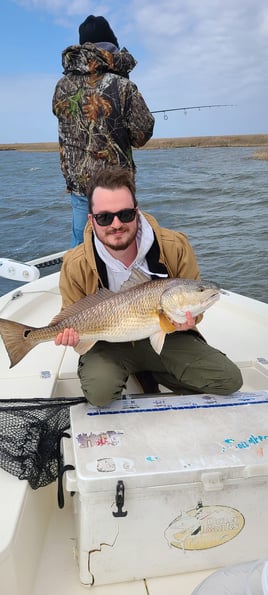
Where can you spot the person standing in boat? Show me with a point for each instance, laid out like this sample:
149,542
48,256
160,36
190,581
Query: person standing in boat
118,240
101,113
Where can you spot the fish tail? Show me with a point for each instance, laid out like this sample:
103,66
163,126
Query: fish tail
14,336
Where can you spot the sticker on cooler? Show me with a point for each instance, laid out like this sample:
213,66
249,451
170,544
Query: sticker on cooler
111,464
204,527
105,438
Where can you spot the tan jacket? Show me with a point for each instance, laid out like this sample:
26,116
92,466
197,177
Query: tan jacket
79,275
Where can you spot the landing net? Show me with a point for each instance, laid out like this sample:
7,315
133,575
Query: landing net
30,436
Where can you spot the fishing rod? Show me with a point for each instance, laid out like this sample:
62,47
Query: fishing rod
188,107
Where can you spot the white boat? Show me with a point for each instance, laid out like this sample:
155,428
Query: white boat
37,538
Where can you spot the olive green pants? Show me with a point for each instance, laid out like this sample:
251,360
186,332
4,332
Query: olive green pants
186,365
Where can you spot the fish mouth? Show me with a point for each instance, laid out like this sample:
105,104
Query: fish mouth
211,299
214,297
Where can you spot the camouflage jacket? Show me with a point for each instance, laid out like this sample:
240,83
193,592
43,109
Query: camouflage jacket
101,113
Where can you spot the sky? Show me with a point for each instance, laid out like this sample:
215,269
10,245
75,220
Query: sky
189,53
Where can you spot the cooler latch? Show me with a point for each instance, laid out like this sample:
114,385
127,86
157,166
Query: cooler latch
212,480
120,499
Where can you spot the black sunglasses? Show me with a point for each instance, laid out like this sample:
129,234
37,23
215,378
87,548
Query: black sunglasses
106,218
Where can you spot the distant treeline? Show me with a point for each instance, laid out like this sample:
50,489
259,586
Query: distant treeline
241,140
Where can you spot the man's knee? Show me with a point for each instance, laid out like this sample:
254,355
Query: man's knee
220,376
231,381
100,398
101,391
101,384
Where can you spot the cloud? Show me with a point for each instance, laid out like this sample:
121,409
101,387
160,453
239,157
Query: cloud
211,46
70,8
189,53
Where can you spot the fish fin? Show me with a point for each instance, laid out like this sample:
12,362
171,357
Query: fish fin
157,341
87,302
166,324
84,346
136,278
14,336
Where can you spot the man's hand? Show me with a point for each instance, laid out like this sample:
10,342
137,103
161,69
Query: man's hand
68,337
185,326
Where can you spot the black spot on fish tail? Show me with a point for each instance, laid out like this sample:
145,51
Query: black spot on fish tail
14,336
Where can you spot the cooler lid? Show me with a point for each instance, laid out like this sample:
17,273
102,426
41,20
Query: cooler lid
167,439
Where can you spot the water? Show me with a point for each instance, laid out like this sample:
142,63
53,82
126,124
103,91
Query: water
218,197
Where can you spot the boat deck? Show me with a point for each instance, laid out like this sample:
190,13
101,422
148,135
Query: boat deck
37,539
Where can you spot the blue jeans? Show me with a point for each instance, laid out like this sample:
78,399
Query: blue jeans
80,218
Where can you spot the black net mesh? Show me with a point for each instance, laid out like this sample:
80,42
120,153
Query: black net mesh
30,434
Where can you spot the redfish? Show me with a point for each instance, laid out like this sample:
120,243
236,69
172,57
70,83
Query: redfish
148,309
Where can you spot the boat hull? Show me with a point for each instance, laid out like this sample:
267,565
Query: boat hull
40,548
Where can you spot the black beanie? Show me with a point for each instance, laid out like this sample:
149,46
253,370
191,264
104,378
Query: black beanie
95,29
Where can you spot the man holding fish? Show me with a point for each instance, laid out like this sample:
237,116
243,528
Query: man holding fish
144,299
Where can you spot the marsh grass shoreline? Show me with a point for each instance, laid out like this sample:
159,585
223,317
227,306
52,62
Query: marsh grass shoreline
242,140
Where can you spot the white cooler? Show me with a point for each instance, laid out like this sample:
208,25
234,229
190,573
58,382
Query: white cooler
169,484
